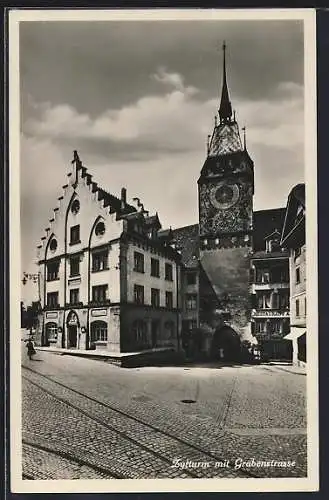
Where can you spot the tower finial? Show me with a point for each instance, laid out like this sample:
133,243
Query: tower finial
225,108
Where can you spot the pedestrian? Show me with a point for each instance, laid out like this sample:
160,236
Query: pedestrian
30,349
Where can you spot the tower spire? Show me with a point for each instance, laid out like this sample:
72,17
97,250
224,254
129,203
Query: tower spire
225,108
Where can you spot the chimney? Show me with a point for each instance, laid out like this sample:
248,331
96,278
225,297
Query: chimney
123,198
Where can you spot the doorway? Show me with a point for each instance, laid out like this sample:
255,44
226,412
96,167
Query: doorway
72,336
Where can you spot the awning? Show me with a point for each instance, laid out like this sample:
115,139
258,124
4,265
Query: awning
295,333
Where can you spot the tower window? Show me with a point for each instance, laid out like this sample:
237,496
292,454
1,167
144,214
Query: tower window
75,207
191,278
100,228
191,302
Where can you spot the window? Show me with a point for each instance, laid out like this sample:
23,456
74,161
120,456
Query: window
74,296
305,306
155,268
191,278
75,265
297,275
192,324
169,300
52,271
138,294
170,329
75,235
99,293
168,271
297,308
155,297
284,301
51,331
53,245
260,326
75,207
276,326
98,331
100,261
100,228
139,331
191,302
52,299
138,262
264,300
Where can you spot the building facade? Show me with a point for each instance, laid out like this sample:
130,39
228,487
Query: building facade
112,278
109,277
293,237
270,291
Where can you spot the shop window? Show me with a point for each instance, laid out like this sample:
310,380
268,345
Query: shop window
138,262
52,299
99,293
100,261
51,331
75,235
140,332
169,300
155,268
138,294
155,297
168,272
52,271
98,331
170,329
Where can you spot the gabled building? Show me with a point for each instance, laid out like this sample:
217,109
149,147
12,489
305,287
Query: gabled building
293,238
109,277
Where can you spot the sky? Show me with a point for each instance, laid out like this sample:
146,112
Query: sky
138,99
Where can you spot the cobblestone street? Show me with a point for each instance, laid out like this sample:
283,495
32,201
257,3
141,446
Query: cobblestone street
85,419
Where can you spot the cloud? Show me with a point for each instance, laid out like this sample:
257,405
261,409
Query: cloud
176,121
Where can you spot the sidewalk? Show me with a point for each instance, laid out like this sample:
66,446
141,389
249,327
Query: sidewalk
298,370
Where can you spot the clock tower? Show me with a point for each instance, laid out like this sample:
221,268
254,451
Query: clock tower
226,188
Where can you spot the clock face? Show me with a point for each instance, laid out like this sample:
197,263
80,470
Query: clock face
224,195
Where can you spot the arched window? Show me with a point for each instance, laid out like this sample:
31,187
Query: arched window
51,331
98,331
140,332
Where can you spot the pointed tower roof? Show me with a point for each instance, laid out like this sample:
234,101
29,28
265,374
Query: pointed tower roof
226,137
225,108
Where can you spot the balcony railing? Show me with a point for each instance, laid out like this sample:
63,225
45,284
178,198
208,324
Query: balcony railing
271,284
271,313
74,304
96,303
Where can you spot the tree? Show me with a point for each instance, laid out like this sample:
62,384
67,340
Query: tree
32,313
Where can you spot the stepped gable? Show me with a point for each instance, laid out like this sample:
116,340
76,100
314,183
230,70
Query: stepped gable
266,222
114,203
187,242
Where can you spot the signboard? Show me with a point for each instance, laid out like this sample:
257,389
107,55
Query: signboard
51,315
99,312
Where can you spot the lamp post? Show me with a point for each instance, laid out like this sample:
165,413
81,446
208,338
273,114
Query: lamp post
35,278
